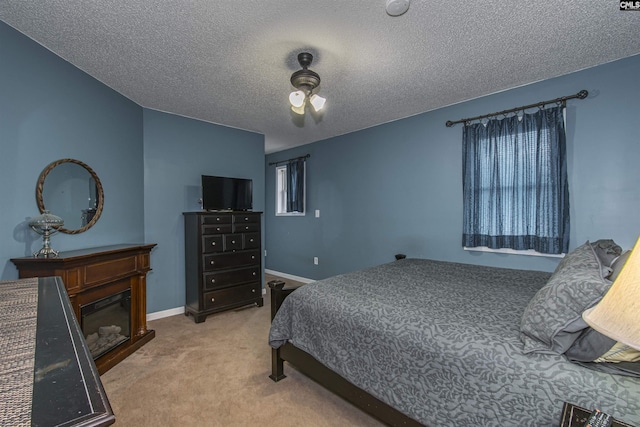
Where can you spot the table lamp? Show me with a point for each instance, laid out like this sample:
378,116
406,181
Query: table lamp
46,224
617,315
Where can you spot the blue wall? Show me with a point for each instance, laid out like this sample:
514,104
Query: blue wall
177,152
388,189
397,187
50,110
149,163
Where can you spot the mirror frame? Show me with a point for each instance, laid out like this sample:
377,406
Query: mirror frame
99,190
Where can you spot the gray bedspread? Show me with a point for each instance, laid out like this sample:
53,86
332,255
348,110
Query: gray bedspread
440,342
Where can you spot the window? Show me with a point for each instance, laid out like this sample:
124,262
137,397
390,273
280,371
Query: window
291,188
515,185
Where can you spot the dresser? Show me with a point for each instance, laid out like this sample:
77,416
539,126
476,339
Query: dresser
223,263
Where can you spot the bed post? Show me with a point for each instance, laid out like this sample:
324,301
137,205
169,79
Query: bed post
276,286
277,366
278,294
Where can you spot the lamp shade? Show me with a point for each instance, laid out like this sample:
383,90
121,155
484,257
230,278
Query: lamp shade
617,315
46,224
298,110
296,98
317,102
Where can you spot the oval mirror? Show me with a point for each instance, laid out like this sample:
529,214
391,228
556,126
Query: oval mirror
71,190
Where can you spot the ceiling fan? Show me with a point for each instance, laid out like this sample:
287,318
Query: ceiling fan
305,81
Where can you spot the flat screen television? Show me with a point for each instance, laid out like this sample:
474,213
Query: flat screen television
222,193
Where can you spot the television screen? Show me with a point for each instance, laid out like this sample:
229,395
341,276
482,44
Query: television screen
222,193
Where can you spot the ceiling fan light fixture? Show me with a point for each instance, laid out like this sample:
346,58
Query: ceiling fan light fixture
296,98
317,101
298,110
305,81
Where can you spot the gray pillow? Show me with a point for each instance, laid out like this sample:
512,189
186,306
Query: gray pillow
617,265
590,346
553,319
606,250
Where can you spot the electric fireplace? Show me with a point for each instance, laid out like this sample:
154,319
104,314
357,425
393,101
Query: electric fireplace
107,289
106,323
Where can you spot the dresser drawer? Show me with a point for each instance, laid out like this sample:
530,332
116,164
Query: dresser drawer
235,259
230,277
229,296
245,218
216,228
216,219
213,243
246,227
232,242
252,240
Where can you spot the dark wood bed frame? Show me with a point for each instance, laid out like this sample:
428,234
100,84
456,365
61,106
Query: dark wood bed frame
324,376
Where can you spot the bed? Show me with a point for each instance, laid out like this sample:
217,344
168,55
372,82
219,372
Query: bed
424,342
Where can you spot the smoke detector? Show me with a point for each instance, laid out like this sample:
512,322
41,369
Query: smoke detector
397,7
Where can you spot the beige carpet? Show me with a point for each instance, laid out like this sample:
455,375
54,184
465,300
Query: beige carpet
216,373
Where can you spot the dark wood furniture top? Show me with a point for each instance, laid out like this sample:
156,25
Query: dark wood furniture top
223,262
324,376
66,385
575,416
96,273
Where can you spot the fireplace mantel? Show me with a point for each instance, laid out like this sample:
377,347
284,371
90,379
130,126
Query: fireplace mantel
92,274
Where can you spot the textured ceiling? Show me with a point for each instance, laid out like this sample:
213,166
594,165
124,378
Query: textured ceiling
229,62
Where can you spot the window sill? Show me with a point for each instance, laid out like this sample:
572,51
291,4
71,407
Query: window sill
529,252
290,214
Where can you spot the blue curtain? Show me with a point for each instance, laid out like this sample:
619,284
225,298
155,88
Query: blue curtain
295,185
515,187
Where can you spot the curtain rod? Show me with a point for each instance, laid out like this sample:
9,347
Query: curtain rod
580,95
306,156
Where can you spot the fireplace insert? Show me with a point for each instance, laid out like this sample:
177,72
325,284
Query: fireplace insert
106,323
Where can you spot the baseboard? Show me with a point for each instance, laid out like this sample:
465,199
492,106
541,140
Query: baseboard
165,313
289,276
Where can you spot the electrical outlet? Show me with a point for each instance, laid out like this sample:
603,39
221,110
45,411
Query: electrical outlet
265,252
315,260
317,213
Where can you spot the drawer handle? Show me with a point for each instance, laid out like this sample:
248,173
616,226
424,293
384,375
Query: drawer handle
253,257
254,273
213,300
233,241
217,218
246,218
217,228
213,280
251,240
253,290
211,262
213,243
